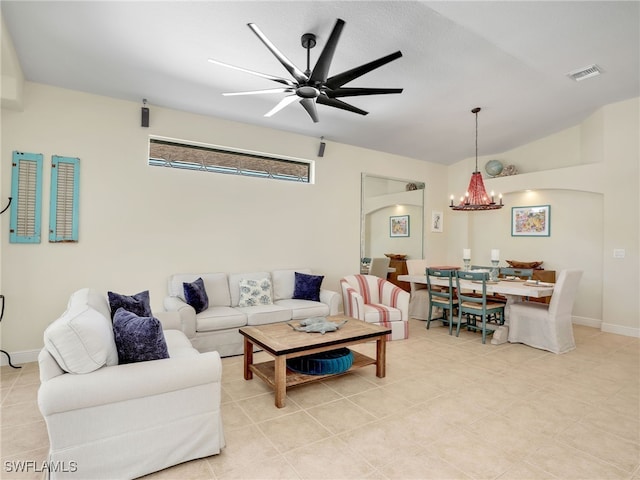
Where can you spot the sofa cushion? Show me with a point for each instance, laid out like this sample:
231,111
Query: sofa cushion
374,313
138,339
81,340
254,292
196,295
263,314
138,303
307,287
220,318
284,282
301,309
215,284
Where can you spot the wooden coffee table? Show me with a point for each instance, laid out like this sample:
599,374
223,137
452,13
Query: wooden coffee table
282,342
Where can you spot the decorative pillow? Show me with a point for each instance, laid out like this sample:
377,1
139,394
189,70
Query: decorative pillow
138,339
196,295
515,264
255,292
307,287
81,340
138,303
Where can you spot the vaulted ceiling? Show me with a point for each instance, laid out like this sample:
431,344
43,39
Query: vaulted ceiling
510,58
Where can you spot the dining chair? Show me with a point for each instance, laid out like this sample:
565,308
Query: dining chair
493,297
365,264
443,298
547,326
523,273
379,267
419,301
478,307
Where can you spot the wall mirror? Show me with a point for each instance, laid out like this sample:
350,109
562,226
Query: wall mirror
392,217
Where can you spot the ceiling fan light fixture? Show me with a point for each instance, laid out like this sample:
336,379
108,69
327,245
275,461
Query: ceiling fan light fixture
315,86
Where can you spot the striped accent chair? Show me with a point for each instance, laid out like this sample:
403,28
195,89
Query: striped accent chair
378,301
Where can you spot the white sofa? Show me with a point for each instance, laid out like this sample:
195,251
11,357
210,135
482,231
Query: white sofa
124,421
217,327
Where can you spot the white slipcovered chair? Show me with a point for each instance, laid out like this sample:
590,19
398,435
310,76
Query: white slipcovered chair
378,301
543,326
380,267
419,301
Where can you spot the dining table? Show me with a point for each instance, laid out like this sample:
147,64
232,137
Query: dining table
513,289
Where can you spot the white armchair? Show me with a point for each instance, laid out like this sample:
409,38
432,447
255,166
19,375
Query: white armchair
378,301
543,326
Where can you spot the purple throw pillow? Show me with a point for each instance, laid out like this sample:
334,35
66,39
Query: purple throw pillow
307,287
196,295
138,303
138,339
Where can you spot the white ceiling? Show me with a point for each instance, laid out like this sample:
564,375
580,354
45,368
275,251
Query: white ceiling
510,58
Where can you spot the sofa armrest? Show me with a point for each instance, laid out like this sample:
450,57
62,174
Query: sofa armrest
353,304
47,366
332,299
187,314
121,383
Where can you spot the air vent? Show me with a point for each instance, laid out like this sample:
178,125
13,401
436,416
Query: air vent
584,73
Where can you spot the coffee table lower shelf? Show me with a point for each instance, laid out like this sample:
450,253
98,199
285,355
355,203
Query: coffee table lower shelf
267,372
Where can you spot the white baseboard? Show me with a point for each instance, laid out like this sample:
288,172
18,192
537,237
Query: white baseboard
587,322
18,358
607,327
620,330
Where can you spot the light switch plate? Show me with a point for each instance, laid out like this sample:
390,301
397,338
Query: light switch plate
618,253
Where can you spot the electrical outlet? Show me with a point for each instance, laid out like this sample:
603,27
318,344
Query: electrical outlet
618,253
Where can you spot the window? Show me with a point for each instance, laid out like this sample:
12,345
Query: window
63,216
165,153
26,192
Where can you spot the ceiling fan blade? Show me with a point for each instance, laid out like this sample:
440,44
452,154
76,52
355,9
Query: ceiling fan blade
333,102
291,68
283,103
321,70
252,72
341,78
354,92
256,92
309,105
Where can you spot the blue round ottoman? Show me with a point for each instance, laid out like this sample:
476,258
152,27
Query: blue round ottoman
324,363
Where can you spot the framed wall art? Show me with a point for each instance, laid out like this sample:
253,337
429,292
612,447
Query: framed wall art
399,226
436,221
534,221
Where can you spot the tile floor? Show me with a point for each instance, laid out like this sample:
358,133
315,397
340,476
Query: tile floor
449,408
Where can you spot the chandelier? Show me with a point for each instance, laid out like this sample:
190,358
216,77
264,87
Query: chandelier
476,197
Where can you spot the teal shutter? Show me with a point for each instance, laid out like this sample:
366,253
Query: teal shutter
26,191
63,213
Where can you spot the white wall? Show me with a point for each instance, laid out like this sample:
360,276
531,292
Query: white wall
595,208
139,224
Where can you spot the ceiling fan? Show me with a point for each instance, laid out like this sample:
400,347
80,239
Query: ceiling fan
315,86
